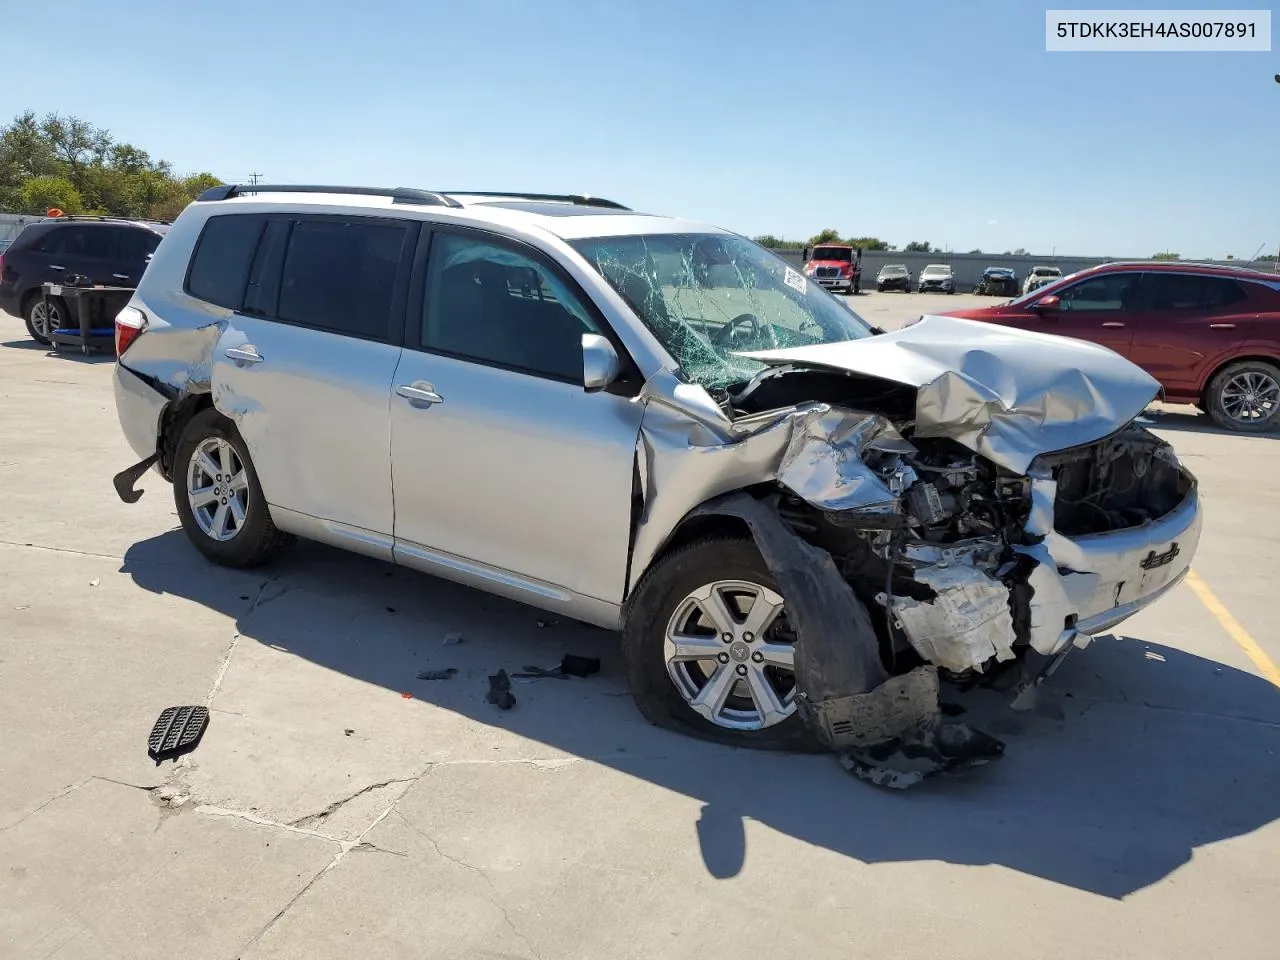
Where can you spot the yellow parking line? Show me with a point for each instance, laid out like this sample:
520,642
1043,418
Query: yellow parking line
1266,666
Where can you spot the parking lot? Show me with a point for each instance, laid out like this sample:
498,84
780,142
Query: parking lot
340,807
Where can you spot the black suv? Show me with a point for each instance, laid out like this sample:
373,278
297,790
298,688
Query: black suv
109,252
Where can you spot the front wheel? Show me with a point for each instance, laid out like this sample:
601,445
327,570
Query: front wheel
1245,397
709,650
219,500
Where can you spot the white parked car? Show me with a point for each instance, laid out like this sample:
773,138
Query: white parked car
1039,276
937,277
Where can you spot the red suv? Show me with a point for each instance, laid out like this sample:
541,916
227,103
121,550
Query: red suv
1209,334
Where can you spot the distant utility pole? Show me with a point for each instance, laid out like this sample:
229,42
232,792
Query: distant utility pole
254,178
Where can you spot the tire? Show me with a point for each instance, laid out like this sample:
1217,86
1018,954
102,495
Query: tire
879,288
657,604
1223,397
37,325
255,539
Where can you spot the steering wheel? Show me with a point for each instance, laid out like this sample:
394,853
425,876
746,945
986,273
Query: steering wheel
725,333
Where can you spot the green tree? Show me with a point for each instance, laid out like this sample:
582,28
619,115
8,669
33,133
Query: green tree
1020,252
975,251
40,194
867,243
40,159
1166,255
918,246
826,236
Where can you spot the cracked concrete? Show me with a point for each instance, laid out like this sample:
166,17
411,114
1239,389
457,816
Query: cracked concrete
326,815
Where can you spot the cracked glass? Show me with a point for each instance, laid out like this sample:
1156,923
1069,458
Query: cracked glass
710,297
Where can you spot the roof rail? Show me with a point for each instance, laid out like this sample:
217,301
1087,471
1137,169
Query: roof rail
88,216
398,194
578,199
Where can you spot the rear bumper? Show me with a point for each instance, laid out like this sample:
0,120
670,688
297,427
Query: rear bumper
10,301
138,407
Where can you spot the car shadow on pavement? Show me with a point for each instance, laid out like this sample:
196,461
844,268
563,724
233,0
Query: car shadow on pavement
1135,755
1192,421
66,353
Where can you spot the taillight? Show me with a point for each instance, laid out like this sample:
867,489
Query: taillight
130,322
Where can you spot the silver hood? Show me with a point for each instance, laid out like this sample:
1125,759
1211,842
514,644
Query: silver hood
1007,394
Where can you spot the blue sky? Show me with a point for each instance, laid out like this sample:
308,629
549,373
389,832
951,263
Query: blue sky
937,121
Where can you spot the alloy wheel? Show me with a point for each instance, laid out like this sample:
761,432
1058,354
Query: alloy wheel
45,318
218,489
731,653
1251,397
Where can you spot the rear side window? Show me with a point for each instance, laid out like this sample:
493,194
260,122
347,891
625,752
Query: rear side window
137,245
339,275
220,265
82,241
1180,291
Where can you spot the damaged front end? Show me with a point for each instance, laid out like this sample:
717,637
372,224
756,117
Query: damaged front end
926,523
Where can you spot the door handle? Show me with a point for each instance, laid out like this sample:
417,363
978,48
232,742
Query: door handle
245,354
54,266
1113,323
120,276
419,392
1222,326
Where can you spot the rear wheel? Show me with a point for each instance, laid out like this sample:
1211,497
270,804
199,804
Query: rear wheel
709,650
219,499
1245,397
44,315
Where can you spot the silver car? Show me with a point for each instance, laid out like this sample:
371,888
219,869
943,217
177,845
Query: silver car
796,521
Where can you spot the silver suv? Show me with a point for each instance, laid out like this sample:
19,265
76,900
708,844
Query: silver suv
651,425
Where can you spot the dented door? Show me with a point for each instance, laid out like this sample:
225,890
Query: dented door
312,408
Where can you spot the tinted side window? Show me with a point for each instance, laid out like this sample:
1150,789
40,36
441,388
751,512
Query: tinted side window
220,265
340,275
81,241
136,245
1111,291
488,303
1177,291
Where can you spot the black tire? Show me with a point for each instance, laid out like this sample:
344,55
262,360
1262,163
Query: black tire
1213,397
879,288
57,307
258,540
647,613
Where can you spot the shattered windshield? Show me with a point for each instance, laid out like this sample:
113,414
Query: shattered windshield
710,296
832,253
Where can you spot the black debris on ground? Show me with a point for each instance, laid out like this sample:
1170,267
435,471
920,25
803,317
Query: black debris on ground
500,694
444,674
177,731
942,748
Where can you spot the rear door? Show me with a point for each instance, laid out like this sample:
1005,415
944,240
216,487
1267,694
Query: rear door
1101,309
78,249
133,251
513,465
1188,322
304,365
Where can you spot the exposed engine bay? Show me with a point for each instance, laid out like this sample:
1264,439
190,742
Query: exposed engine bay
946,555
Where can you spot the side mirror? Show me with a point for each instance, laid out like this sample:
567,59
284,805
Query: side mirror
600,363
1049,304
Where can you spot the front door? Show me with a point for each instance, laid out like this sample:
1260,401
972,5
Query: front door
1101,309
499,455
305,365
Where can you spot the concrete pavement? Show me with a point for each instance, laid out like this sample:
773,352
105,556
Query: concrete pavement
327,814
